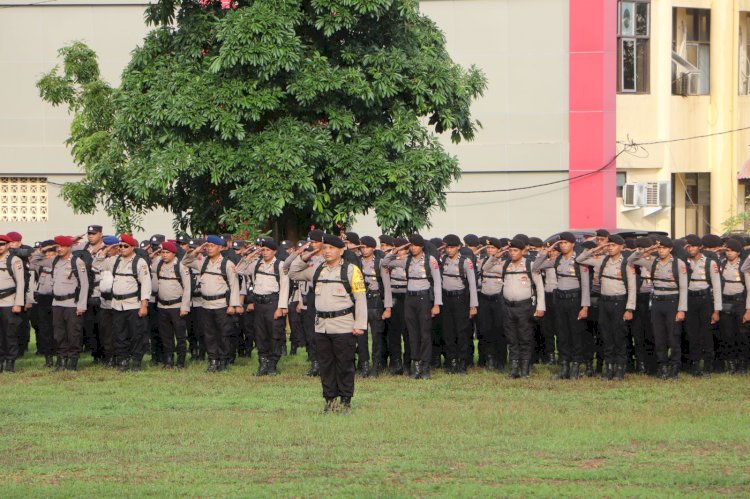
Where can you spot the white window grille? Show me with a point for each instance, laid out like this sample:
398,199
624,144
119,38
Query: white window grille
23,199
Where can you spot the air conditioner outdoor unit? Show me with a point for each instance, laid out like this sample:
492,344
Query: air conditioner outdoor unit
647,194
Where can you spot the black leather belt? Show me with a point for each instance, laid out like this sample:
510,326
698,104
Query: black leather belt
262,299
215,297
373,295
333,315
424,292
126,296
454,294
398,286
168,302
520,303
65,297
614,298
668,297
491,298
568,294
699,293
738,298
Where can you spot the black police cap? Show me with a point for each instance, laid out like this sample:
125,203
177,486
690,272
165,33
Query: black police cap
352,237
334,241
602,233
316,235
733,245
368,241
517,243
568,236
400,241
536,242
471,240
693,240
711,241
614,238
384,239
416,240
454,240
644,242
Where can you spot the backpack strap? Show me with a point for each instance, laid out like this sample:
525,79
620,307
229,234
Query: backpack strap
576,268
623,271
344,278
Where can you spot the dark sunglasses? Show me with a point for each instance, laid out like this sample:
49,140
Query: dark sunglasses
123,245
3,243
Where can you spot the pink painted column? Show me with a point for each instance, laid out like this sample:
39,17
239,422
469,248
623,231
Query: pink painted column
593,74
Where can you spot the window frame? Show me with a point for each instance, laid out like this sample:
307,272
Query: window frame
637,40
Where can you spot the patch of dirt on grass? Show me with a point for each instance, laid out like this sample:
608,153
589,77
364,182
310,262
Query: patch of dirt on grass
592,464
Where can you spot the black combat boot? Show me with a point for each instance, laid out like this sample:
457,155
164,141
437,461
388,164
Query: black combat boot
565,371
375,371
222,365
48,361
741,367
137,364
10,366
708,367
345,405
168,362
515,369
73,364
462,367
213,366
610,374
330,406
640,368
180,361
451,367
364,368
490,364
109,362
416,373
551,359
397,368
425,374
695,368
262,367
314,369
59,365
525,368
435,362
124,366
619,372
674,371
575,370
293,351
590,369
272,364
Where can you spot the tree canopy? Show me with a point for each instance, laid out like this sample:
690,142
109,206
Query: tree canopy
270,114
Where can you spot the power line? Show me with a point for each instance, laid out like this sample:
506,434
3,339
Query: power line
628,146
31,4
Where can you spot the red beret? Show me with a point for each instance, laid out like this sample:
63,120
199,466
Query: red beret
64,241
128,239
4,237
14,236
169,246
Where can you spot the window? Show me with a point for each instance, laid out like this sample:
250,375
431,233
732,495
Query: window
691,48
621,178
23,199
633,32
697,192
744,50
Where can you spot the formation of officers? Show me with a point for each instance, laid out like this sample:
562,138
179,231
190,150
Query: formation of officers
603,304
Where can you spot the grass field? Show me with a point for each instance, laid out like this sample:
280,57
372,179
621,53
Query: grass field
188,433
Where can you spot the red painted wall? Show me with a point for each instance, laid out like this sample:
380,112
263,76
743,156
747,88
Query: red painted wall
593,73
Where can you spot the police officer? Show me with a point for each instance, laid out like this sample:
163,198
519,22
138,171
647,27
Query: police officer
379,299
106,316
247,336
197,342
41,312
523,299
571,300
492,337
735,305
668,302
640,326
617,302
396,329
131,290
294,316
12,289
270,304
423,299
91,334
459,303
171,280
341,315
221,300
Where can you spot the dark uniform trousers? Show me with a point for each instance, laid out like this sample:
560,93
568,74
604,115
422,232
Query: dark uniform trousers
336,358
296,331
270,333
734,333
643,335
308,323
592,339
571,332
397,330
247,339
130,334
91,338
418,318
375,308
196,318
518,321
492,337
613,328
105,332
68,330
457,326
152,320
666,330
172,329
9,323
42,317
217,332
24,332
549,324
698,325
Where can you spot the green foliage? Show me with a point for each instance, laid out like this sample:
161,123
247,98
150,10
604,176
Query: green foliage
291,111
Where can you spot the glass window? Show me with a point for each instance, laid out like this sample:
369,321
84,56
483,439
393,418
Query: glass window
744,54
691,37
633,30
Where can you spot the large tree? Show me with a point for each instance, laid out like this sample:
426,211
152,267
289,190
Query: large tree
270,114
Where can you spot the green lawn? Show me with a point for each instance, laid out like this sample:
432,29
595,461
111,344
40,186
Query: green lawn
188,433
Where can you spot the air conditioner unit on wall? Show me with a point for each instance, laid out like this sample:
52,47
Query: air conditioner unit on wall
647,194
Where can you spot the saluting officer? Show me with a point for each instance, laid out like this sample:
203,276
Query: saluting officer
397,330
12,285
41,313
668,302
459,303
423,299
379,299
640,326
171,279
735,306
341,316
106,333
221,299
492,337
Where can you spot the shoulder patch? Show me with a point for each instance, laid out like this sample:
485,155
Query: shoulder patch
19,265
469,264
584,269
434,263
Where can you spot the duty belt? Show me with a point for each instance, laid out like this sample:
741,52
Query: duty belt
613,297
7,292
568,294
65,297
262,299
667,297
699,293
126,296
169,302
491,298
337,313
519,303
373,295
423,292
738,298
223,296
454,294
398,286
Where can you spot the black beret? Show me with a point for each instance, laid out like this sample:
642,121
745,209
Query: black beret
518,243
454,240
315,235
522,237
483,240
493,241
48,242
693,240
504,241
368,241
182,238
535,241
416,240
384,239
733,245
747,240
679,242
644,242
352,237
268,242
400,241
602,233
568,236
711,241
665,241
470,240
614,238
630,243
333,241
588,244
436,242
